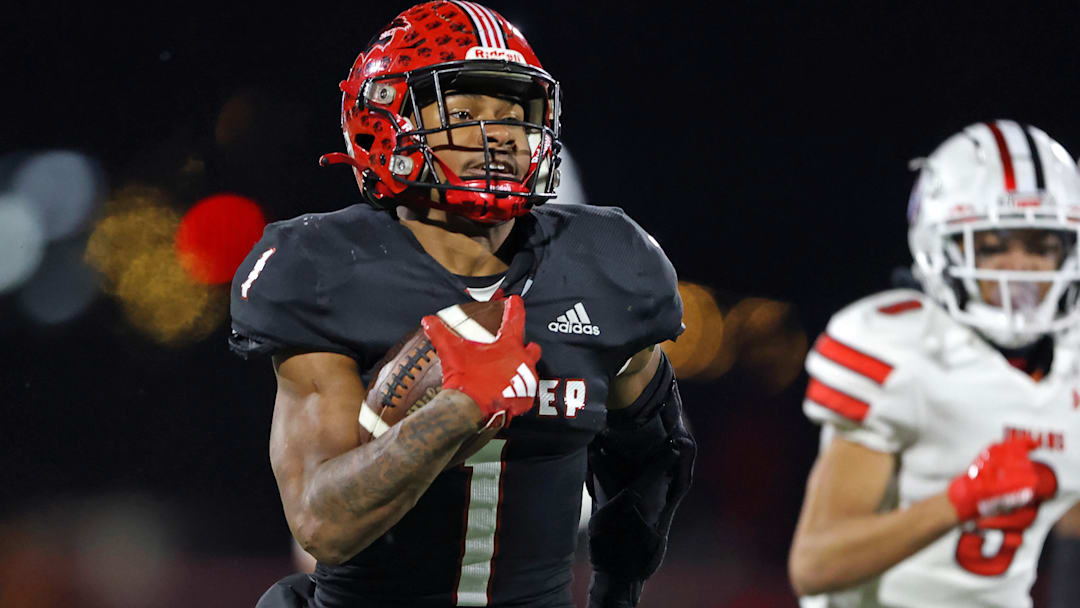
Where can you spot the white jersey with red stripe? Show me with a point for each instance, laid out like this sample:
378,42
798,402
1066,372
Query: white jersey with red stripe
895,373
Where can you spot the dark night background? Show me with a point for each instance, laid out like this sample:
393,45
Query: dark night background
764,145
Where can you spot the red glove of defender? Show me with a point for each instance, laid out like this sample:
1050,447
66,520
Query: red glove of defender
501,376
999,480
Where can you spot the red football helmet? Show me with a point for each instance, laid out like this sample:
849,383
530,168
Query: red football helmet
426,51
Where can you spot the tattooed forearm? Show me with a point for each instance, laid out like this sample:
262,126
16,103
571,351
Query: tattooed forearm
367,490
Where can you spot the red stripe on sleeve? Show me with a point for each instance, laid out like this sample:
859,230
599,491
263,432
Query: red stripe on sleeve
858,362
899,307
1006,157
839,402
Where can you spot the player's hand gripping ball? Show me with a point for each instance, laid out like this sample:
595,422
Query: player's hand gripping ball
999,480
476,348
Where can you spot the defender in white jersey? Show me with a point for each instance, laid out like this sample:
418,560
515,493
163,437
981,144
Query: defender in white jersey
950,415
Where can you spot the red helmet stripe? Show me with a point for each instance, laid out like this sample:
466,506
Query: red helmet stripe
1006,157
492,20
478,24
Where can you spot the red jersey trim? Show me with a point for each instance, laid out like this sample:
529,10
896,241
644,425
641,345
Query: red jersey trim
858,362
837,401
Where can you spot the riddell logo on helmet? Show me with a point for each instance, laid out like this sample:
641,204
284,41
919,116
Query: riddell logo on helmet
491,53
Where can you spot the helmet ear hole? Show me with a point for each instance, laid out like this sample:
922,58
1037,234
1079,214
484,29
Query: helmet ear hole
364,140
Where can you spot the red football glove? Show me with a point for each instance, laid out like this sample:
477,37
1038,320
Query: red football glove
999,480
501,376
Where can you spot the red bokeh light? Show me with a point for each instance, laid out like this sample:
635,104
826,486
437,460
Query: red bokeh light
216,234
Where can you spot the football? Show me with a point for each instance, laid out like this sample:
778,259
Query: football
410,375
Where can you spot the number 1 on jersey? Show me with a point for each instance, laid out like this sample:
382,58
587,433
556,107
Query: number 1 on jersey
485,472
255,271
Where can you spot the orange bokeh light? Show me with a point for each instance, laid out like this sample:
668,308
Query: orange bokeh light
700,344
216,234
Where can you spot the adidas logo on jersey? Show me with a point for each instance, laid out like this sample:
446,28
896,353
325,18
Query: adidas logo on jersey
574,321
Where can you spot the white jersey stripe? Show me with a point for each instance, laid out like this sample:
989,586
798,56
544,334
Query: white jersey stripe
481,31
572,316
584,316
371,422
562,319
508,392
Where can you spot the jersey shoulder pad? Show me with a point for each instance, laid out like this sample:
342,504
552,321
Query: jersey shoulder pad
276,297
329,238
891,324
622,254
860,368
607,233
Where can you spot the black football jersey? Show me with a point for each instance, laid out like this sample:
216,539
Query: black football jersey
499,530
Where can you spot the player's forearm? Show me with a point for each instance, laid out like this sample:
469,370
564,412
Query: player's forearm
356,497
851,550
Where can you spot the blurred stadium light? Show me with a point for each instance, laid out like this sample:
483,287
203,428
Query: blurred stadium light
700,344
758,336
64,188
63,286
106,550
133,249
124,551
771,346
235,119
216,234
50,196
22,241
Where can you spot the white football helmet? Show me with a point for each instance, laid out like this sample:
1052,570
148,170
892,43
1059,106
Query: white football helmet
997,175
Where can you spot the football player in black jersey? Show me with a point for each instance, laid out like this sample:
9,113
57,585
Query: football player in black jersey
452,130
